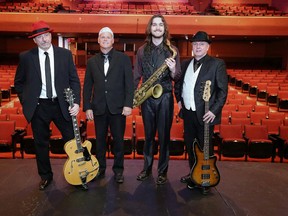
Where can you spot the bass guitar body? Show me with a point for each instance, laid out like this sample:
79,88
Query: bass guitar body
81,167
204,172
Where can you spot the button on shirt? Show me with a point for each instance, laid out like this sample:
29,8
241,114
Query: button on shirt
42,58
189,85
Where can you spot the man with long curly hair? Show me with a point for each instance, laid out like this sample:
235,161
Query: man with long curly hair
157,113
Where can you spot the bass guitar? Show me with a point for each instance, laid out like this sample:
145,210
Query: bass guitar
204,172
81,167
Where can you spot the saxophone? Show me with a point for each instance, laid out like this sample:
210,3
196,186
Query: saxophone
148,89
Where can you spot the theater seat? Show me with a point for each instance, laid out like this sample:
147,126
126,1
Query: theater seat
128,140
177,140
56,141
259,144
27,142
232,142
283,134
7,137
91,136
282,101
140,139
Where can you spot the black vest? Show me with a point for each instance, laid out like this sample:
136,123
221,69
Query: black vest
150,64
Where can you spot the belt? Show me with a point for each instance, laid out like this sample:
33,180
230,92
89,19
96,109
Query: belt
48,99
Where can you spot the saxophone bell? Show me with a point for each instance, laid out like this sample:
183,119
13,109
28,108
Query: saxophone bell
155,91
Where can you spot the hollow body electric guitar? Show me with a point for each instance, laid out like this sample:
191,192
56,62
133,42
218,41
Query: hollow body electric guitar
81,167
204,172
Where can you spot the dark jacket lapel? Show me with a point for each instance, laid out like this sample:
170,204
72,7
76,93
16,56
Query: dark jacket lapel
99,64
35,59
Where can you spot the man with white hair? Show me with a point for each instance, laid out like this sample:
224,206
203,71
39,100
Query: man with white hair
108,99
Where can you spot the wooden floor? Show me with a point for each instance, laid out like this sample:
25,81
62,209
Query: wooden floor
246,188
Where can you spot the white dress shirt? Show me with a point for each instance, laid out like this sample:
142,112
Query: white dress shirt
106,64
42,58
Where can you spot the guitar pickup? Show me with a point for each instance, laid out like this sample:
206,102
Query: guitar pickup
205,176
205,167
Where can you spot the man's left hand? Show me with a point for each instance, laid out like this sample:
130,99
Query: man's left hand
171,63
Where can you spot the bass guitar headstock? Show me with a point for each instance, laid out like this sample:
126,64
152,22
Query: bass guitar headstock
206,91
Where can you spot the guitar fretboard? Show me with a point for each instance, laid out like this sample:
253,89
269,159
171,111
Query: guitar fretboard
206,96
77,133
206,134
69,98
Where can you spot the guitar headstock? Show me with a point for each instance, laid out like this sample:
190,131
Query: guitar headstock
206,92
69,96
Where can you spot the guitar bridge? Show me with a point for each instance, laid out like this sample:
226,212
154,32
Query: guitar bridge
83,177
205,184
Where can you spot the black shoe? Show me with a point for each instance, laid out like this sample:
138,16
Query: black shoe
143,175
119,178
205,190
44,183
190,185
100,174
162,179
185,179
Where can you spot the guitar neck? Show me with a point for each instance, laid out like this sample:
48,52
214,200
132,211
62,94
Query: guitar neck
69,98
206,134
77,133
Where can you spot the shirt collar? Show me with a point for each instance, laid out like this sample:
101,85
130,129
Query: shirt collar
49,51
109,54
153,46
200,60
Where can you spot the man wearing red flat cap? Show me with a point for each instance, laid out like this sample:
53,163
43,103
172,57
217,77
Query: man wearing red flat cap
41,77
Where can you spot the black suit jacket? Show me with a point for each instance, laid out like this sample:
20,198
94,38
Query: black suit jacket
114,90
212,69
28,81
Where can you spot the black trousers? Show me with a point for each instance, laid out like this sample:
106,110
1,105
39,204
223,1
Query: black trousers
46,112
157,115
116,123
194,130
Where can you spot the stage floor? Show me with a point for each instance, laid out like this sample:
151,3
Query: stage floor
246,188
